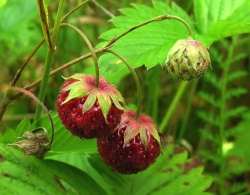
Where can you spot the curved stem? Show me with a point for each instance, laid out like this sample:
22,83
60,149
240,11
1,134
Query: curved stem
26,92
73,10
97,72
103,9
156,19
137,82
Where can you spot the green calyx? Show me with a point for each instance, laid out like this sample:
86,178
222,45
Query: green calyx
135,127
84,86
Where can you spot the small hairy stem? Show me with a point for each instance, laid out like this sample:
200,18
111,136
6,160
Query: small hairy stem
28,93
49,58
92,51
73,10
137,82
103,9
156,19
173,105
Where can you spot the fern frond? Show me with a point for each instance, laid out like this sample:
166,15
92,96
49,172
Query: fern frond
233,131
210,136
210,156
213,79
236,75
238,188
235,92
239,57
235,112
210,98
208,117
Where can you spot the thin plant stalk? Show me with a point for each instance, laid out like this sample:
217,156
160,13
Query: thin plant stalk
49,58
187,112
173,106
226,66
136,79
92,51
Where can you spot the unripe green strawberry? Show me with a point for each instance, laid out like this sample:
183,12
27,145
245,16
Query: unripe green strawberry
88,111
187,59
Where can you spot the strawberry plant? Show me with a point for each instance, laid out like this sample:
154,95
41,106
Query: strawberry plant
109,111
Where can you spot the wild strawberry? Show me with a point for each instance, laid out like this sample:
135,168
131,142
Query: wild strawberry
187,59
88,111
133,146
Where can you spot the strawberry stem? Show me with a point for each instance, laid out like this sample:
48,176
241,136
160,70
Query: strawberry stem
156,19
92,51
28,93
136,79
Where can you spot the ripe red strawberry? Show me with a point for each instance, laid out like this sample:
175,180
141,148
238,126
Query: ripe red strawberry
87,111
133,146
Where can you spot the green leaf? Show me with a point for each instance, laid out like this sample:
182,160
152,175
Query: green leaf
208,12
149,44
9,136
25,175
171,174
81,161
81,182
220,19
28,175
